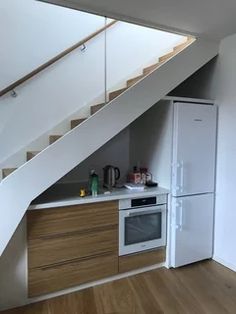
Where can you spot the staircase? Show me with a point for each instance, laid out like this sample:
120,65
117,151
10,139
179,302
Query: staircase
111,96
42,169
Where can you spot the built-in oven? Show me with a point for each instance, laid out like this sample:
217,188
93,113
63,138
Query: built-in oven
142,224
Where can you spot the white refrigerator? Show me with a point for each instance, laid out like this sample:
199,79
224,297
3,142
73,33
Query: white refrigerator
192,183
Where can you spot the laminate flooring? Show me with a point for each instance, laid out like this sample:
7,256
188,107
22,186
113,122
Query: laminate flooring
201,288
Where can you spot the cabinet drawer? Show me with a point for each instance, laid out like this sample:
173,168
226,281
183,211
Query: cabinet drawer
142,259
61,220
46,251
50,279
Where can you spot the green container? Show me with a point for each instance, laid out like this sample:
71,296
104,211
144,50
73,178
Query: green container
93,183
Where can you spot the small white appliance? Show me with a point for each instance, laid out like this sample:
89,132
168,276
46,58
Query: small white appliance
142,224
193,180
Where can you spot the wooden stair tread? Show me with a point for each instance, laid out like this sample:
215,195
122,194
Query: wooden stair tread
181,46
76,122
7,171
151,68
30,155
95,108
134,80
167,56
116,93
184,44
54,138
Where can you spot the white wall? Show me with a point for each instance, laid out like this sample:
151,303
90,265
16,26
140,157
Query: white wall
223,86
33,32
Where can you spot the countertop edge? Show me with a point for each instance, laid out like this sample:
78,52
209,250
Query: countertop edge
117,195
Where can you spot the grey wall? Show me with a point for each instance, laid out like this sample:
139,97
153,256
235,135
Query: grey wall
150,142
115,153
200,84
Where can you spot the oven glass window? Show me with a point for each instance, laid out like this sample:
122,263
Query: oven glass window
142,228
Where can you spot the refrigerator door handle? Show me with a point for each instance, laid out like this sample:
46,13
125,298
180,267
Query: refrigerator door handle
179,225
179,176
181,218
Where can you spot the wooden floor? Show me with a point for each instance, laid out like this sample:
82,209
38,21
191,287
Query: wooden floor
201,288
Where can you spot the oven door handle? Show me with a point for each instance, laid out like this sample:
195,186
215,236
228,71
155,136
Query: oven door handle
145,212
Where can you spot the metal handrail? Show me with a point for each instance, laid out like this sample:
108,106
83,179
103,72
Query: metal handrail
55,59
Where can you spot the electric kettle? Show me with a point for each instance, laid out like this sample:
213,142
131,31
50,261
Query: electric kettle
110,175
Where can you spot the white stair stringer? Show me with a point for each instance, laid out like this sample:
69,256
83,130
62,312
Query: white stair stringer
31,179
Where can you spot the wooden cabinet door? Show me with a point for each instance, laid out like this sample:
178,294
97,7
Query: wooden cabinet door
65,275
68,246
62,220
57,249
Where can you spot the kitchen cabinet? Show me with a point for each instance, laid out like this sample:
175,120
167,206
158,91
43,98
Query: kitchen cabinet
71,245
141,259
71,273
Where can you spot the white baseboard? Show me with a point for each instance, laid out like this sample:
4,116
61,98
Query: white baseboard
224,263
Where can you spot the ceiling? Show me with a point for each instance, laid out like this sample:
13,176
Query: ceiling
213,19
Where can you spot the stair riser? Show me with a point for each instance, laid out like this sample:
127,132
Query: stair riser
54,138
95,108
167,56
30,155
75,123
7,171
116,93
150,69
134,80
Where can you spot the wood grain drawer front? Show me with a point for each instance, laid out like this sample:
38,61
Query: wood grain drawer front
46,280
142,259
61,220
46,251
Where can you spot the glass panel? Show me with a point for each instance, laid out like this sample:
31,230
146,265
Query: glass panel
90,79
130,49
142,228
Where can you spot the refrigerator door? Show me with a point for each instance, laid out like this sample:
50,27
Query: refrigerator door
191,229
194,145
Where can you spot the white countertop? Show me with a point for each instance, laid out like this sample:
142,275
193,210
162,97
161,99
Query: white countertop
116,194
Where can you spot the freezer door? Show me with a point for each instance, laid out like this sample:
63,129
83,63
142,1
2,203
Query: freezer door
191,229
194,143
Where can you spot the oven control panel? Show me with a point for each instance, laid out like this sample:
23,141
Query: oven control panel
142,201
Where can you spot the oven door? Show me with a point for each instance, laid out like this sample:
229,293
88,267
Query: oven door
142,229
